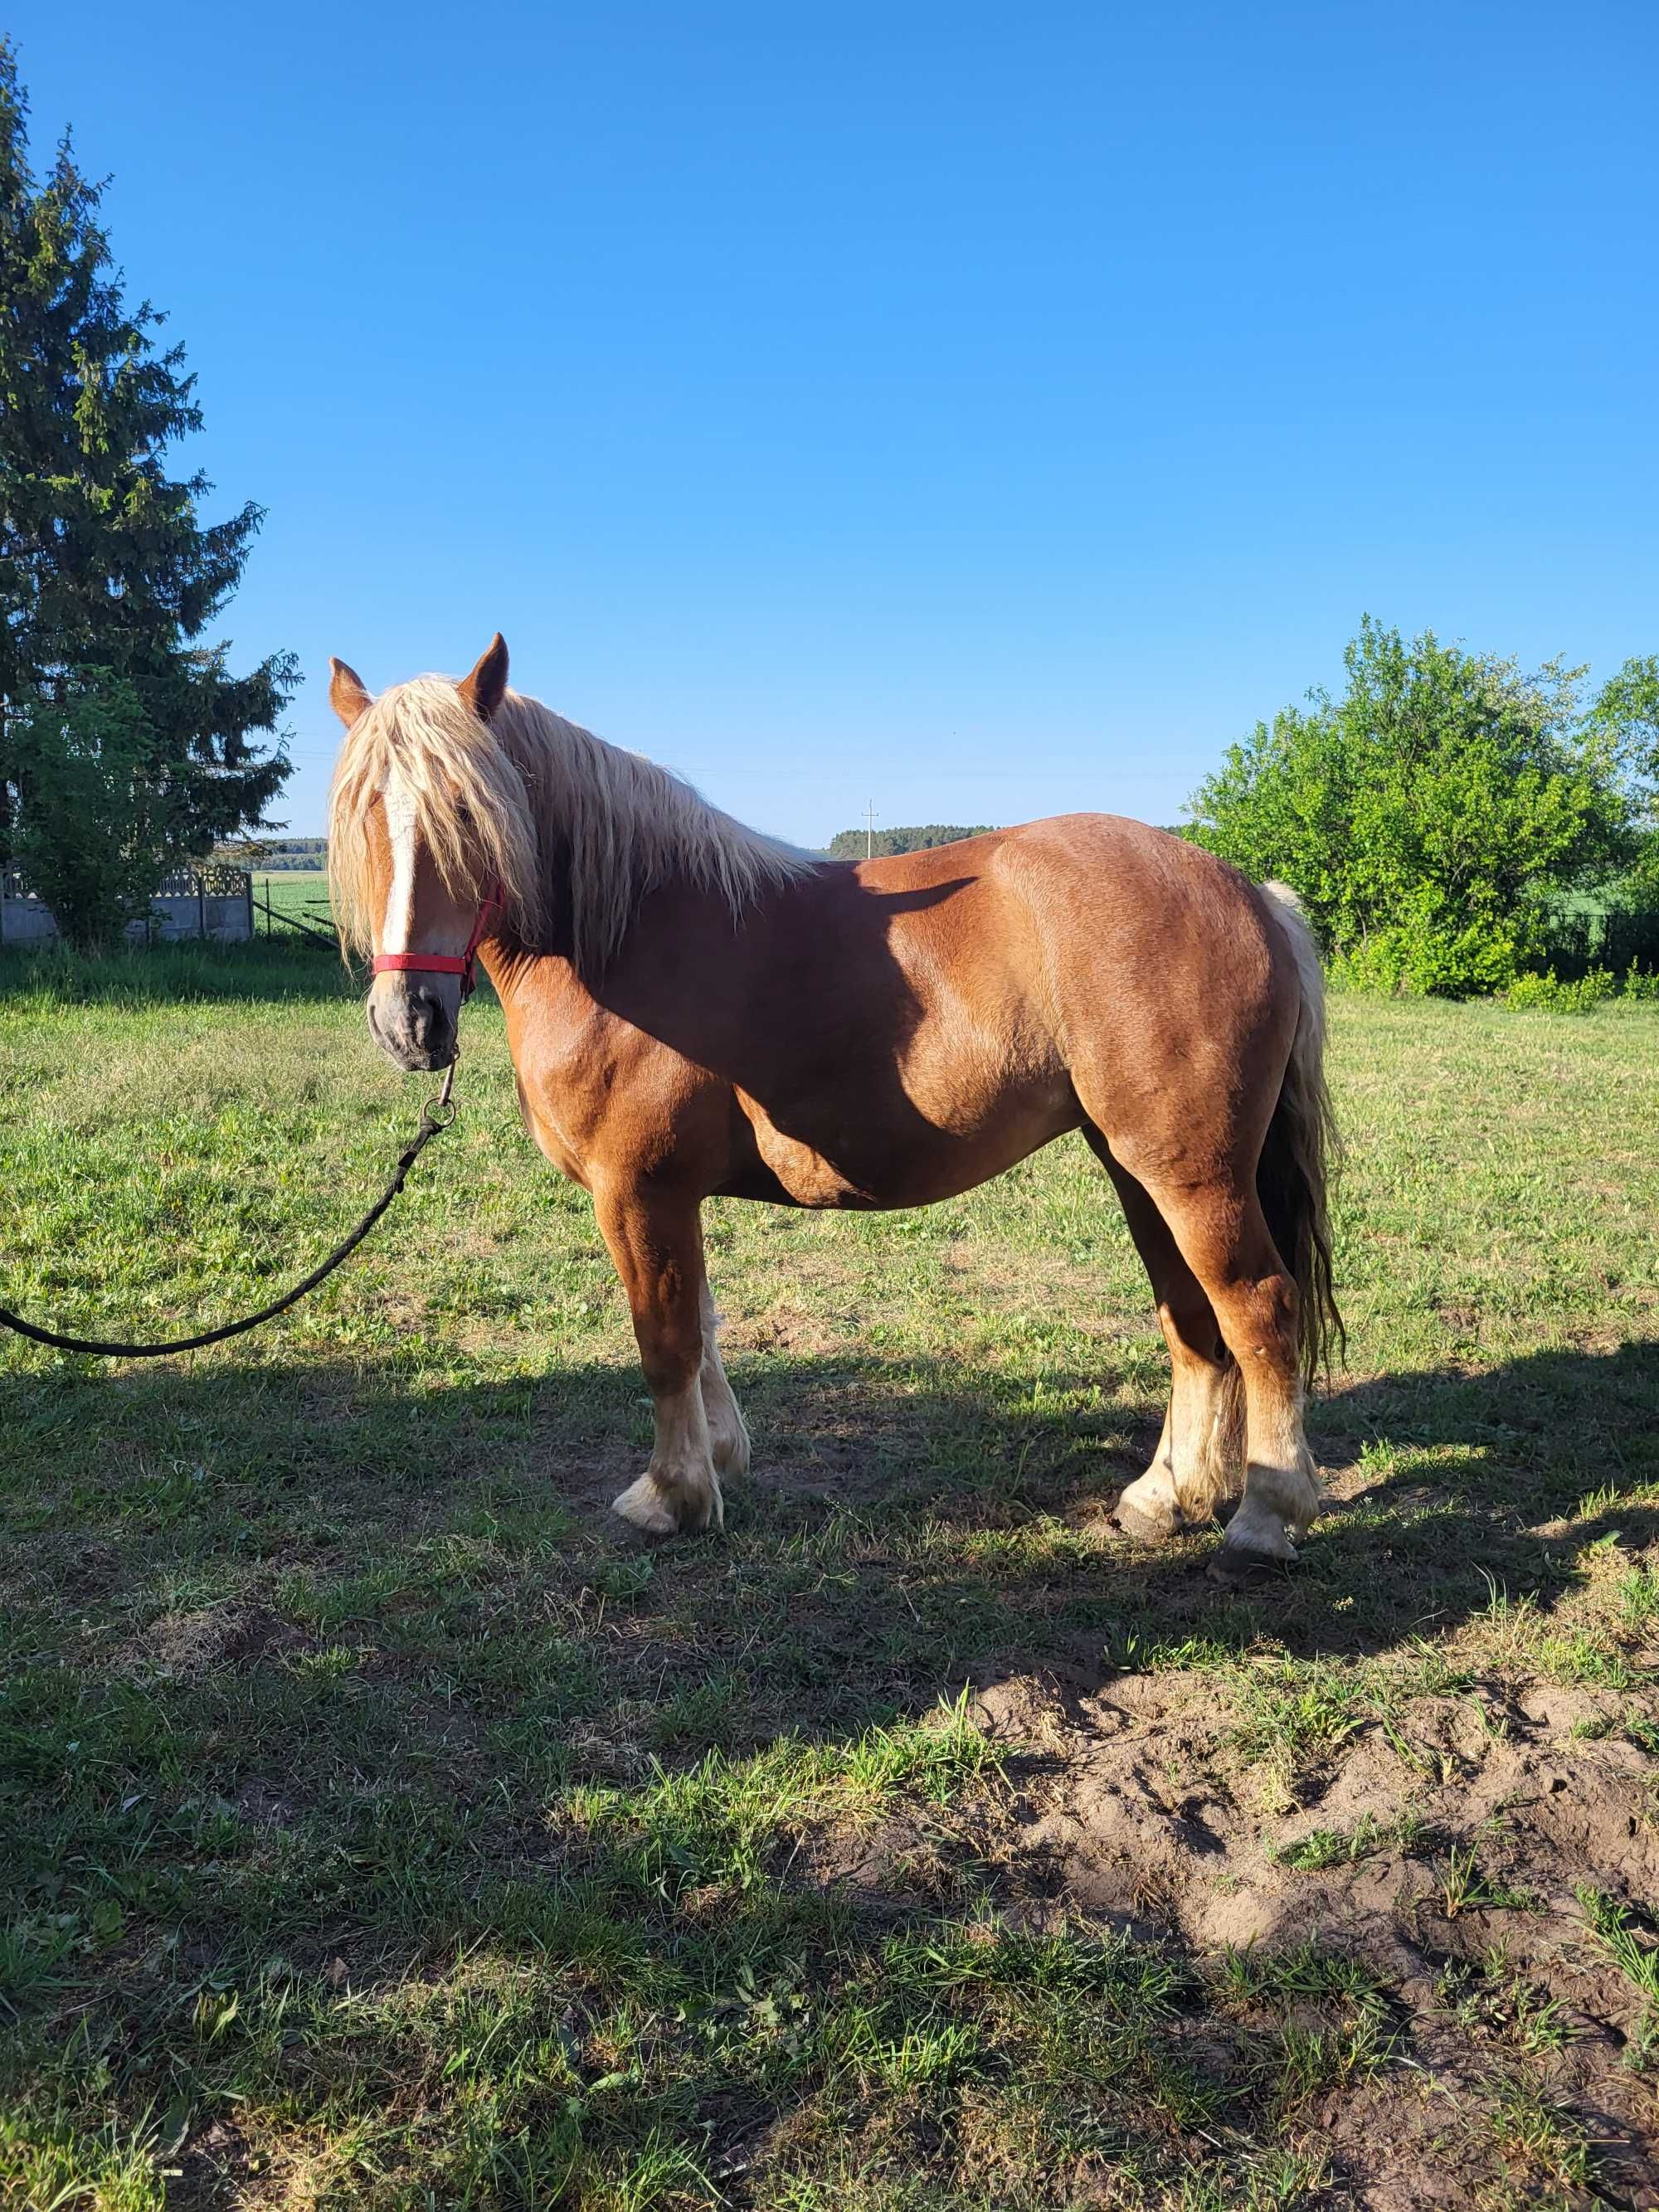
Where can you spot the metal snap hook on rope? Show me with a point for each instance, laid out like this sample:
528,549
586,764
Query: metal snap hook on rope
440,1102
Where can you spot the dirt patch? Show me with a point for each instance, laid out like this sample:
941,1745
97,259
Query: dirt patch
1136,1789
187,1646
263,1806
1457,1865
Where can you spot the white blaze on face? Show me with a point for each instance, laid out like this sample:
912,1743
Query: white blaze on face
400,899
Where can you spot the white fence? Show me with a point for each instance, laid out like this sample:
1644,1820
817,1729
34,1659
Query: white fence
211,903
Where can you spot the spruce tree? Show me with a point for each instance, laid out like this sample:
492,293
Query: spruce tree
127,743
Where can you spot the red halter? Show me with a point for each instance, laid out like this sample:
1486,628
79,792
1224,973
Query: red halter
447,963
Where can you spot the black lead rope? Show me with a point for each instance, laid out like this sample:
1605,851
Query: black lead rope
436,1117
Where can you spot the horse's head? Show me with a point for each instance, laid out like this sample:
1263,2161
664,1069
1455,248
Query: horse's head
429,844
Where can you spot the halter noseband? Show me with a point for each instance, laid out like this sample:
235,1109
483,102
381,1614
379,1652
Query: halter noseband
446,963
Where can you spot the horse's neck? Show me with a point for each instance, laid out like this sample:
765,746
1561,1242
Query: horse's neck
679,929
544,984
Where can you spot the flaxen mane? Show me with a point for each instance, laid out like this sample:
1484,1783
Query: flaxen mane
565,821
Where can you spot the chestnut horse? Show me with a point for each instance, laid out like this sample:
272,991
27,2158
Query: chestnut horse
695,1009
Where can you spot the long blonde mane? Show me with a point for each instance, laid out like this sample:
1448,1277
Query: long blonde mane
525,795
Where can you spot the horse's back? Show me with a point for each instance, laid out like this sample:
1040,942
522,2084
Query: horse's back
1084,966
1107,904
1139,962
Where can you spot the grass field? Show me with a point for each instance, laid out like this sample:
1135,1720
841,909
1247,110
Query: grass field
380,1825
302,892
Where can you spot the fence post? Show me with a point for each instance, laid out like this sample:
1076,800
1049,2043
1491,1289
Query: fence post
201,907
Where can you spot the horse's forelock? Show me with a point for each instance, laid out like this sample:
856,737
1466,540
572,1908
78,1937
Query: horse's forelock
472,811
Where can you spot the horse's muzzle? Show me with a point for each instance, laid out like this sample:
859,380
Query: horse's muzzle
413,1019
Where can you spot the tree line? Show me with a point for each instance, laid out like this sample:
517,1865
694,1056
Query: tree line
852,844
1451,821
277,856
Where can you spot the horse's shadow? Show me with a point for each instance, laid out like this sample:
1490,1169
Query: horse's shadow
1449,1490
908,1528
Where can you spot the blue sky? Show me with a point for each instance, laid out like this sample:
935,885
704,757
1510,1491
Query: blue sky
980,410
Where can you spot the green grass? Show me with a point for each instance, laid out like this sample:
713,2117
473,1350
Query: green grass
382,1826
300,893
1634,1949
295,891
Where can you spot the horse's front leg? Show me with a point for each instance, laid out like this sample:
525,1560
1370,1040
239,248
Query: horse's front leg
656,1241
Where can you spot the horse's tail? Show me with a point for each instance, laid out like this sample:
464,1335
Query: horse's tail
1299,1157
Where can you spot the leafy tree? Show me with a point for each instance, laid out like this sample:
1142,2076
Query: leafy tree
1626,709
90,837
1626,712
1431,817
108,577
850,844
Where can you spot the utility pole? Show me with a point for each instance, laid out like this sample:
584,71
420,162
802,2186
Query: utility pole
870,831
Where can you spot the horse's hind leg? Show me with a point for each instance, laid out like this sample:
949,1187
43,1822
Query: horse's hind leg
1224,1238
728,1433
1199,1460
656,1242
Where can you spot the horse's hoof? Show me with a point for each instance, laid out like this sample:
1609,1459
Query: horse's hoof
1235,1569
644,1507
1144,1527
655,1512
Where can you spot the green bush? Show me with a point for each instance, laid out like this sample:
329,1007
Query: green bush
1433,819
1430,961
1547,994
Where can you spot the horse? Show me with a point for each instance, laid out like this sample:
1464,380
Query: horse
695,1009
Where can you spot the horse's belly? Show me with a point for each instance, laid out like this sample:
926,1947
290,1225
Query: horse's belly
803,1175
903,1160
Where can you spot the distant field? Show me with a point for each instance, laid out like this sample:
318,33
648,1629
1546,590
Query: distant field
382,1826
299,892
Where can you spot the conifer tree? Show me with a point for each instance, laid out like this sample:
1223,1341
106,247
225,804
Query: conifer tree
126,743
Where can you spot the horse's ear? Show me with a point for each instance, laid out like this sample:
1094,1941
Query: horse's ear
346,692
484,689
